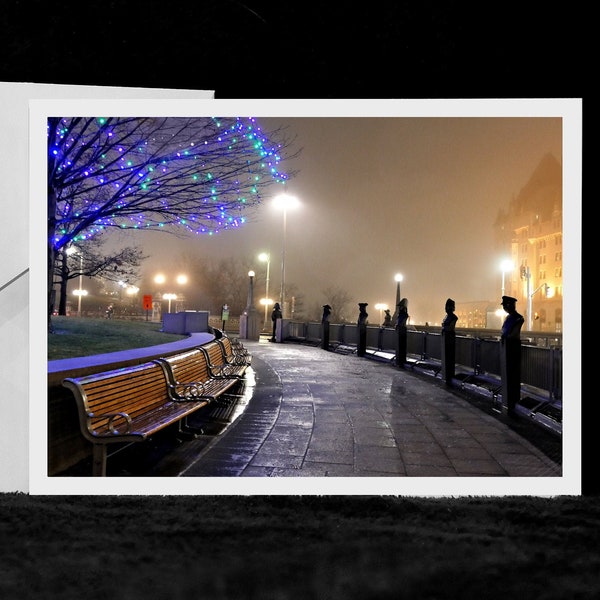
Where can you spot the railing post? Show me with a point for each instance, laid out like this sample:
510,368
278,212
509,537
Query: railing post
449,342
402,310
448,355
325,327
361,348
510,356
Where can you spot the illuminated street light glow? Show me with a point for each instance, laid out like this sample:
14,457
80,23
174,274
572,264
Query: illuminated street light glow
398,277
169,297
73,250
264,257
160,279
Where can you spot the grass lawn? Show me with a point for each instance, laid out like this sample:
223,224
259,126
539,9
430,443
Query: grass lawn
80,336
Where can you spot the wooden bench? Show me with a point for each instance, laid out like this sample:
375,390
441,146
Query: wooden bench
234,354
189,377
127,405
217,364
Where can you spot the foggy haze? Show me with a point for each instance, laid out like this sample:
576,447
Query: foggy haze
384,195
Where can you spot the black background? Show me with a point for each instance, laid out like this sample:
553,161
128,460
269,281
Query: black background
258,49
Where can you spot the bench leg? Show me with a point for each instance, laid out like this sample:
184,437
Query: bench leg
186,431
99,460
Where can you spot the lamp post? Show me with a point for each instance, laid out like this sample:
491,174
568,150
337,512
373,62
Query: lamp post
266,302
79,293
249,319
160,280
169,297
530,294
264,257
506,267
73,250
397,278
284,202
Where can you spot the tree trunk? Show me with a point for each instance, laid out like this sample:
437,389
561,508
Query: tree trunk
62,302
51,254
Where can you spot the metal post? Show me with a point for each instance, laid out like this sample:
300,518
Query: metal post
529,300
282,294
266,326
80,284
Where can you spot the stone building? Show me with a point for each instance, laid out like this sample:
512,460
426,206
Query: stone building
531,233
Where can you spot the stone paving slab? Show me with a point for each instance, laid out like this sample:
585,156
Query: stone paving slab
314,413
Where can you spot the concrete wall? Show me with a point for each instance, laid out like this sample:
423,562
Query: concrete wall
189,321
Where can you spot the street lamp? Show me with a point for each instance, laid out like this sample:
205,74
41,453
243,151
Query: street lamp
251,275
169,297
264,257
266,302
79,293
284,202
160,279
506,266
73,250
527,274
397,278
249,319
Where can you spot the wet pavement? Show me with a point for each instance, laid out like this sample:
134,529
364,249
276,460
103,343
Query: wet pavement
307,412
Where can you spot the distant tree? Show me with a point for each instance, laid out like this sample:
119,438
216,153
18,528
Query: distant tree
216,281
296,299
86,260
339,300
197,175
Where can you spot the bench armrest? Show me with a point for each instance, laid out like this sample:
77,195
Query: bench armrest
187,391
224,370
111,418
238,360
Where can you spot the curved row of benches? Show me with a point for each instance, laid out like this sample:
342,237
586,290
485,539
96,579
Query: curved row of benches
133,403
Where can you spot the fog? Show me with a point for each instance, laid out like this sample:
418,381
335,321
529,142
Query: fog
380,196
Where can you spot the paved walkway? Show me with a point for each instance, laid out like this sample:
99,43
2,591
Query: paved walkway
311,413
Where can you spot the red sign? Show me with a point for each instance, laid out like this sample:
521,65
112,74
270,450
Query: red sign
147,302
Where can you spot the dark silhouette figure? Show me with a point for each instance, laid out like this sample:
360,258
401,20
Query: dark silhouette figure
275,315
402,318
325,327
402,313
510,358
449,342
450,319
387,320
361,349
362,313
109,311
511,328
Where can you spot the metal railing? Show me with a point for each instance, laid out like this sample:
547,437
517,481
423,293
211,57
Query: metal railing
541,365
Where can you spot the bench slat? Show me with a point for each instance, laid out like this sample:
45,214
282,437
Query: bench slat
125,405
218,365
190,377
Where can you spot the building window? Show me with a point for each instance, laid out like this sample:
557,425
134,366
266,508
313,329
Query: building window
558,319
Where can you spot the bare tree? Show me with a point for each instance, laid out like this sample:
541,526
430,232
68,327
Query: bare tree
86,260
195,175
339,300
